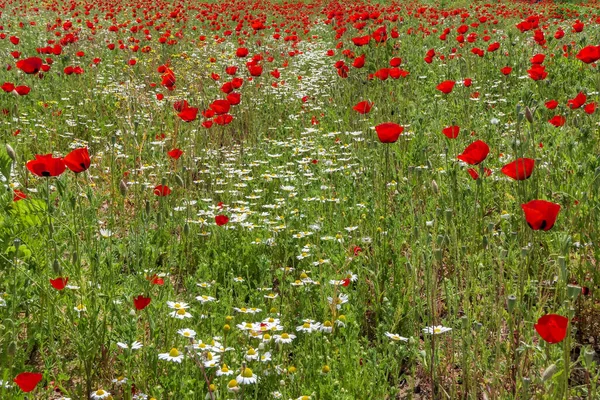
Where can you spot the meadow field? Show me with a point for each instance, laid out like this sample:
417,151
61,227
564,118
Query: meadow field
293,199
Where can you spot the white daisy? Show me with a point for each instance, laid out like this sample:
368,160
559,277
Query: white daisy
134,346
436,330
100,394
224,370
187,333
284,338
396,337
180,314
247,377
173,355
177,305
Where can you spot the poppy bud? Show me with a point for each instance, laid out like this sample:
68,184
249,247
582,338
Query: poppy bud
75,257
477,326
549,372
526,382
159,219
113,139
449,213
438,254
179,181
588,356
17,243
511,302
147,207
528,115
434,186
465,322
56,267
123,188
12,349
573,291
484,241
11,152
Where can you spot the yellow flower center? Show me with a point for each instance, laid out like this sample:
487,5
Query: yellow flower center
285,336
177,305
437,330
80,307
248,325
306,325
327,324
243,309
181,311
232,383
267,336
251,352
174,352
186,334
100,392
247,373
303,276
224,368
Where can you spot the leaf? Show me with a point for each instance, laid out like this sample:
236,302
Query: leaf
5,165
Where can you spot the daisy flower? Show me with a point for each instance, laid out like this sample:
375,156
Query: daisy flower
187,333
396,337
327,327
100,394
265,357
246,377
133,346
119,380
284,338
173,355
251,355
338,300
224,370
180,314
436,330
205,299
177,305
308,326
80,308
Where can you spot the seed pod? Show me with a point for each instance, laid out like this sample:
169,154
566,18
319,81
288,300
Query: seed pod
179,181
528,115
12,349
56,267
186,229
434,187
147,207
11,152
123,188
588,356
511,302
549,372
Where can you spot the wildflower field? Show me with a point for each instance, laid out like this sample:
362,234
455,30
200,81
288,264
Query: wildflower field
299,200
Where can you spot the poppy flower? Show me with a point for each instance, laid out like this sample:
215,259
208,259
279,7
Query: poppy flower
538,59
388,132
361,40
520,169
221,220
451,132
22,90
78,160
162,190
241,52
27,381
537,72
578,101
175,154
18,195
46,165
156,280
141,302
467,82
506,70
558,120
590,108
589,54
364,107
188,114
446,86
180,105
475,153
359,61
31,65
234,98
59,283
475,175
8,87
220,106
552,328
551,104
540,214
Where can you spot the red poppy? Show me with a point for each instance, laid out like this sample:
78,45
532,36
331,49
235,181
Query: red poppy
180,105
221,220
162,190
220,106
22,90
552,328
475,175
18,195
590,108
359,61
234,98
59,283
241,52
578,101
155,280
78,160
520,169
223,119
388,132
506,70
31,65
46,165
188,114
8,87
551,104
538,59
467,82
27,381
446,86
175,153
537,72
475,153
451,132
558,120
141,302
364,107
540,214
589,54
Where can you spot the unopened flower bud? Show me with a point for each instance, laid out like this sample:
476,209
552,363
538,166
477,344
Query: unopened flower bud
11,152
